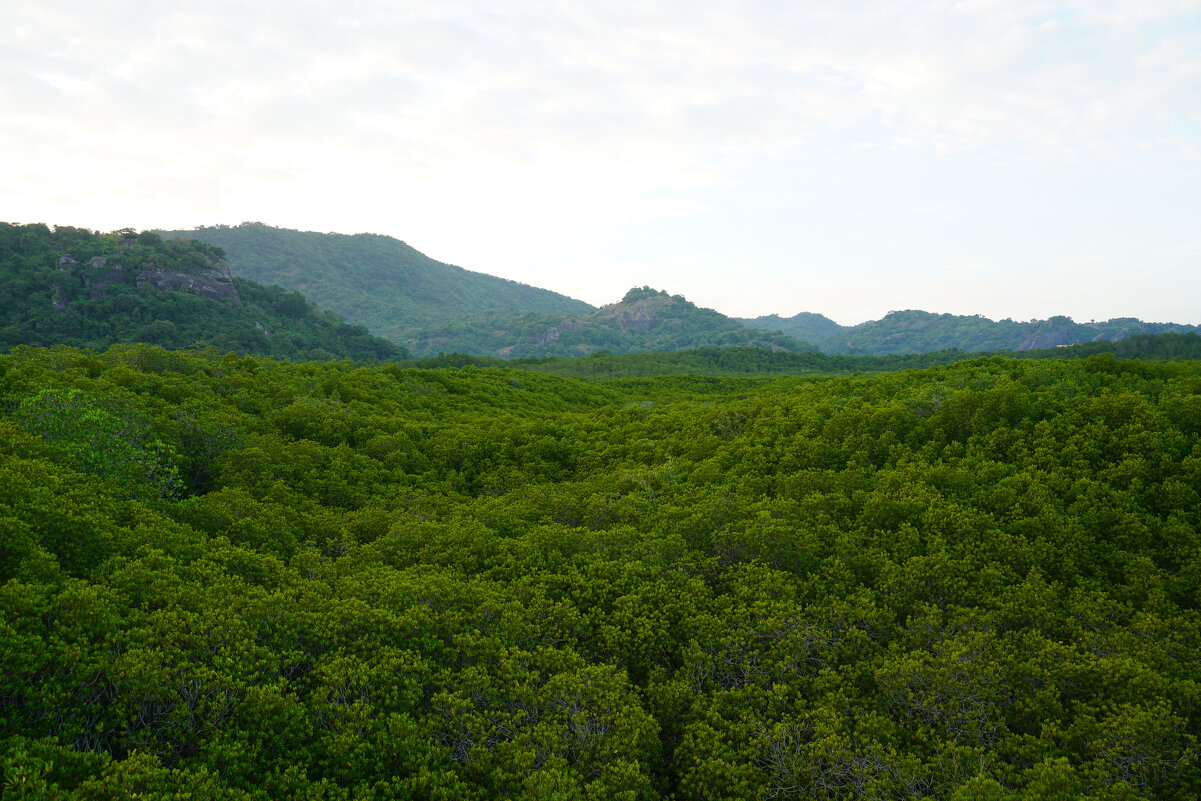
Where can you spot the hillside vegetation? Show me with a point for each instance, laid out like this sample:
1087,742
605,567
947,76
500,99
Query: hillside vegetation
763,364
375,281
431,308
242,578
72,286
645,320
922,332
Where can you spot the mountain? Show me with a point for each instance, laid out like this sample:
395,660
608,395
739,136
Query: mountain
72,286
373,280
430,307
644,320
806,326
921,332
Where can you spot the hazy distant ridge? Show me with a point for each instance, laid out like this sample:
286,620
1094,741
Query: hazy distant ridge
913,331
430,307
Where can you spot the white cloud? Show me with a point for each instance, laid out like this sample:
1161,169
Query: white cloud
702,75
510,135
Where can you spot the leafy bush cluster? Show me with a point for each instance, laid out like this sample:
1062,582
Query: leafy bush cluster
99,441
973,581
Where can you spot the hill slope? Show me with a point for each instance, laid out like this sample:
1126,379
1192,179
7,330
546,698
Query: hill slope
373,280
920,332
644,320
71,286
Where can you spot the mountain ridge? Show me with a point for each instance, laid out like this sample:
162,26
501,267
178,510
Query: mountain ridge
916,331
374,280
644,319
431,307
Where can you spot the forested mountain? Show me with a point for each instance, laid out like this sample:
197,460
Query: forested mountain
373,280
644,320
816,329
430,308
78,287
239,578
921,332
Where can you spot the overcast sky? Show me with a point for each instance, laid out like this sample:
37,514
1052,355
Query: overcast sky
997,157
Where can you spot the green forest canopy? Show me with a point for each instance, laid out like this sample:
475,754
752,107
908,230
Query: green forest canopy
260,579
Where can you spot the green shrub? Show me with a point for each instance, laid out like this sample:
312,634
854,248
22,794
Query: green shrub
101,441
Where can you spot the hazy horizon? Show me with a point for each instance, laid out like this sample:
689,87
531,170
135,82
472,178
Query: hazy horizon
1013,160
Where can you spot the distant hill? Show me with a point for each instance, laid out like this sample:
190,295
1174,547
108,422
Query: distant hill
806,326
373,280
430,307
644,320
72,286
921,332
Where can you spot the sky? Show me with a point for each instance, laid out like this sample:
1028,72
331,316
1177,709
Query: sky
1008,158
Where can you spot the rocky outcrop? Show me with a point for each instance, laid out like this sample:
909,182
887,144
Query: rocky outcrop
215,284
57,301
98,286
1052,333
552,334
639,317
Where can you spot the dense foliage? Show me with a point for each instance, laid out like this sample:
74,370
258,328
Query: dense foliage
757,362
73,286
922,332
645,320
262,579
376,281
1139,346
762,363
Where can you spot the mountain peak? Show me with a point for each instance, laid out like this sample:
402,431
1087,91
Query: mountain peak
643,293
643,309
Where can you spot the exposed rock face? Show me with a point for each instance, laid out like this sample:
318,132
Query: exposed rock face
638,317
216,283
641,311
57,301
98,286
553,333
67,262
1051,338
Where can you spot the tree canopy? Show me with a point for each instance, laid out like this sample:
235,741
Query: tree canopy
244,578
